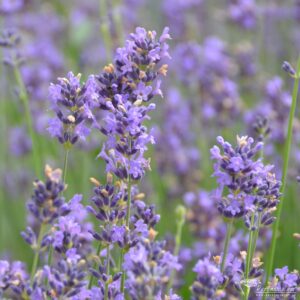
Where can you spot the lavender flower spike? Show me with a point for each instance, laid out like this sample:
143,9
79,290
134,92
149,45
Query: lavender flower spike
236,169
70,102
123,90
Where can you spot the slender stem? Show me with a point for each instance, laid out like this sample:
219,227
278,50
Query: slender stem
104,29
127,218
37,252
107,263
94,266
127,225
117,19
3,119
286,156
64,181
180,214
49,262
249,259
50,255
226,245
65,165
24,98
107,271
255,236
128,202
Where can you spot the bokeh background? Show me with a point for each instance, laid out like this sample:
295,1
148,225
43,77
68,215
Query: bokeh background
224,78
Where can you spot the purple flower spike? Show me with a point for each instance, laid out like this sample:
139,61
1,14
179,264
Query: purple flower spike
123,90
70,101
251,185
285,282
244,13
148,267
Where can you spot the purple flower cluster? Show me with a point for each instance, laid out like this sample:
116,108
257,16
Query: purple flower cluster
13,278
244,13
67,279
204,222
251,185
70,103
275,108
177,137
148,267
212,283
219,234
71,233
234,272
214,70
8,7
285,283
71,240
10,41
245,60
209,229
109,207
208,281
181,14
123,91
19,143
62,226
47,203
41,51
190,63
38,56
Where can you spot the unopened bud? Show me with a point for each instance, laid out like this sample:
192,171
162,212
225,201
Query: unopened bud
109,178
95,181
109,69
286,66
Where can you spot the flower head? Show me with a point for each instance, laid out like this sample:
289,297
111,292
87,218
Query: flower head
148,267
123,90
251,185
70,102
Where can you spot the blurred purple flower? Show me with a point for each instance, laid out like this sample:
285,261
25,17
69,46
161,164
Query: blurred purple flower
244,13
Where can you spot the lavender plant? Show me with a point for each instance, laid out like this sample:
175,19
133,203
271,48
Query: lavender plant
252,191
286,156
205,238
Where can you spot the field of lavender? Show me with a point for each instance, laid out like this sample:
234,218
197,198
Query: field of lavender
150,150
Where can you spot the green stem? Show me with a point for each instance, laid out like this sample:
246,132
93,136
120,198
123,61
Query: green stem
107,264
128,202
64,181
255,236
3,119
65,165
249,259
226,245
127,225
180,214
37,252
25,100
104,29
117,19
286,155
107,271
50,255
94,266
49,262
127,219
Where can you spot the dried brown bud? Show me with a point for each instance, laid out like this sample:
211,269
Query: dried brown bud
109,69
95,181
163,70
